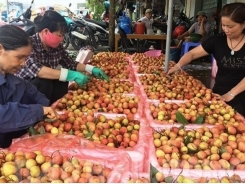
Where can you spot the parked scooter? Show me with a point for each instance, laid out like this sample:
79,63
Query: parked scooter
86,36
68,37
159,26
76,33
24,22
101,32
183,23
184,20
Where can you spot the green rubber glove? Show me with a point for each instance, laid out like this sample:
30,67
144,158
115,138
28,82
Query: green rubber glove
69,75
97,72
78,77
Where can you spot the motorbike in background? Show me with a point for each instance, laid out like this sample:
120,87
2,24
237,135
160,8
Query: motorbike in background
24,22
101,31
77,35
159,26
76,32
68,38
182,24
184,20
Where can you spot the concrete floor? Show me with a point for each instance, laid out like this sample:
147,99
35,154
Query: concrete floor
201,70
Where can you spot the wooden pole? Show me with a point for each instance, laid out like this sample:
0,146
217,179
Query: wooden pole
112,19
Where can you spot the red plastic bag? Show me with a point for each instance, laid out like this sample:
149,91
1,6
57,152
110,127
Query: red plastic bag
179,30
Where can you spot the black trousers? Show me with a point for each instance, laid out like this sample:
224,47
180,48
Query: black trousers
6,138
52,89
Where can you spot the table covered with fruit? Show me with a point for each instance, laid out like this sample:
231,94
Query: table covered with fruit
140,127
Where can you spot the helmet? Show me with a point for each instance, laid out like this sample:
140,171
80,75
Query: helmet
107,5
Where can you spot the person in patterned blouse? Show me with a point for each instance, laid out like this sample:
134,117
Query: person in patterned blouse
49,67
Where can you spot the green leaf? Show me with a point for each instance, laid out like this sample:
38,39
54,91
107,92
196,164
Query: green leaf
192,151
156,73
232,167
181,127
153,172
199,119
187,140
70,132
49,120
222,150
32,131
101,110
169,179
89,134
42,130
180,118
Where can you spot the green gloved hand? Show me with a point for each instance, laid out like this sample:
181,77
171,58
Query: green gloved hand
69,75
97,72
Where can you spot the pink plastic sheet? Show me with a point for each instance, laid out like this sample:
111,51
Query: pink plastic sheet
153,53
71,144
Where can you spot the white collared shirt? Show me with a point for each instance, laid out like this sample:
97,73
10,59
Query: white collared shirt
148,22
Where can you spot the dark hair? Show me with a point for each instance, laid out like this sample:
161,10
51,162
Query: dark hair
12,37
51,20
235,11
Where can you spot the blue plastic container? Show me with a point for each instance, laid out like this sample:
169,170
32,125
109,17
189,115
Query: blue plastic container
175,54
